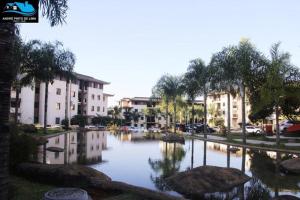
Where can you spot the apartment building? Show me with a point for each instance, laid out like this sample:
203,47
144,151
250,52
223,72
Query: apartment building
139,105
84,95
219,102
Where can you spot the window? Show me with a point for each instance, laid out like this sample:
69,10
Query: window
74,94
92,148
99,97
57,106
103,98
136,110
73,107
142,125
57,120
100,86
93,108
103,109
58,91
142,118
223,104
98,108
159,118
98,147
93,96
223,112
56,155
98,135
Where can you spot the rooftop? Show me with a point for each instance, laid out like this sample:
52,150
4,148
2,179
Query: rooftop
89,78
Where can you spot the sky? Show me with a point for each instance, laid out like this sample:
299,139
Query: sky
132,43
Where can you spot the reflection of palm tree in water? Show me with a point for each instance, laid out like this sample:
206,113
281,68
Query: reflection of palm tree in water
166,167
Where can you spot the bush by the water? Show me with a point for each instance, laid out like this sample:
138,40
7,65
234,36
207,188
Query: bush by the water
79,120
65,123
28,128
23,148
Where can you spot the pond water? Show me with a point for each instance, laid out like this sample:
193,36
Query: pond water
146,163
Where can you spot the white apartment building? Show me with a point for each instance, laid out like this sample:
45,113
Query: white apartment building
220,102
140,104
84,95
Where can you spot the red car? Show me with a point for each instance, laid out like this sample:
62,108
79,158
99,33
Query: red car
293,130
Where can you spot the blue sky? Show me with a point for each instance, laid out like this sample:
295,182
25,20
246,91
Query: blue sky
132,43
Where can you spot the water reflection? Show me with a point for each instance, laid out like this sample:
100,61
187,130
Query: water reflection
74,147
172,155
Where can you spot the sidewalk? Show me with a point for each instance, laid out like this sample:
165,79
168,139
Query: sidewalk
256,142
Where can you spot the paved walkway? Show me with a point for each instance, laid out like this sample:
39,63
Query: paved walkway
257,142
283,137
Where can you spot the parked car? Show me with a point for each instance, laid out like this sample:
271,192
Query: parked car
200,128
253,129
135,129
154,130
285,125
293,130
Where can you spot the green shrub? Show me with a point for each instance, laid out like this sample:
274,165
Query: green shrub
65,123
23,148
79,120
28,128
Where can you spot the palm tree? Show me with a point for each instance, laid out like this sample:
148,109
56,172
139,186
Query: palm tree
115,112
224,77
175,88
161,91
58,61
202,75
191,89
280,74
248,61
55,11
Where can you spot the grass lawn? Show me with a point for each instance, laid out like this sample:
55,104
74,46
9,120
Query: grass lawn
22,189
40,131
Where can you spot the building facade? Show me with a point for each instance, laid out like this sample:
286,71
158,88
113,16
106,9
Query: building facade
140,105
217,104
83,95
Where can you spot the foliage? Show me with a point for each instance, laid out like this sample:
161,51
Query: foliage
65,123
105,120
219,122
80,120
28,128
23,148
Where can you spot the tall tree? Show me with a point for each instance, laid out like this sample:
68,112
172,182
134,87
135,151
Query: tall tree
224,78
47,61
202,75
175,87
55,11
280,75
192,90
248,64
163,92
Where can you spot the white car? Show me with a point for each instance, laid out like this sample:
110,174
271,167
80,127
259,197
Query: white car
253,129
285,124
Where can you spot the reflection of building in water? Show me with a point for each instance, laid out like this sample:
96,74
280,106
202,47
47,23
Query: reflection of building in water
168,148
73,147
223,148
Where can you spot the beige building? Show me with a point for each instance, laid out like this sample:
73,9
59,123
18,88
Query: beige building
219,103
139,105
84,95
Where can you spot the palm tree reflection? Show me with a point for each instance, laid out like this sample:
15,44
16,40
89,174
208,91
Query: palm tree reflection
163,168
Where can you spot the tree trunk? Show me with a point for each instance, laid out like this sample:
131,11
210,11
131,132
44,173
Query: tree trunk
244,114
174,116
193,116
46,107
228,156
277,126
167,115
204,152
205,114
7,74
228,114
17,104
